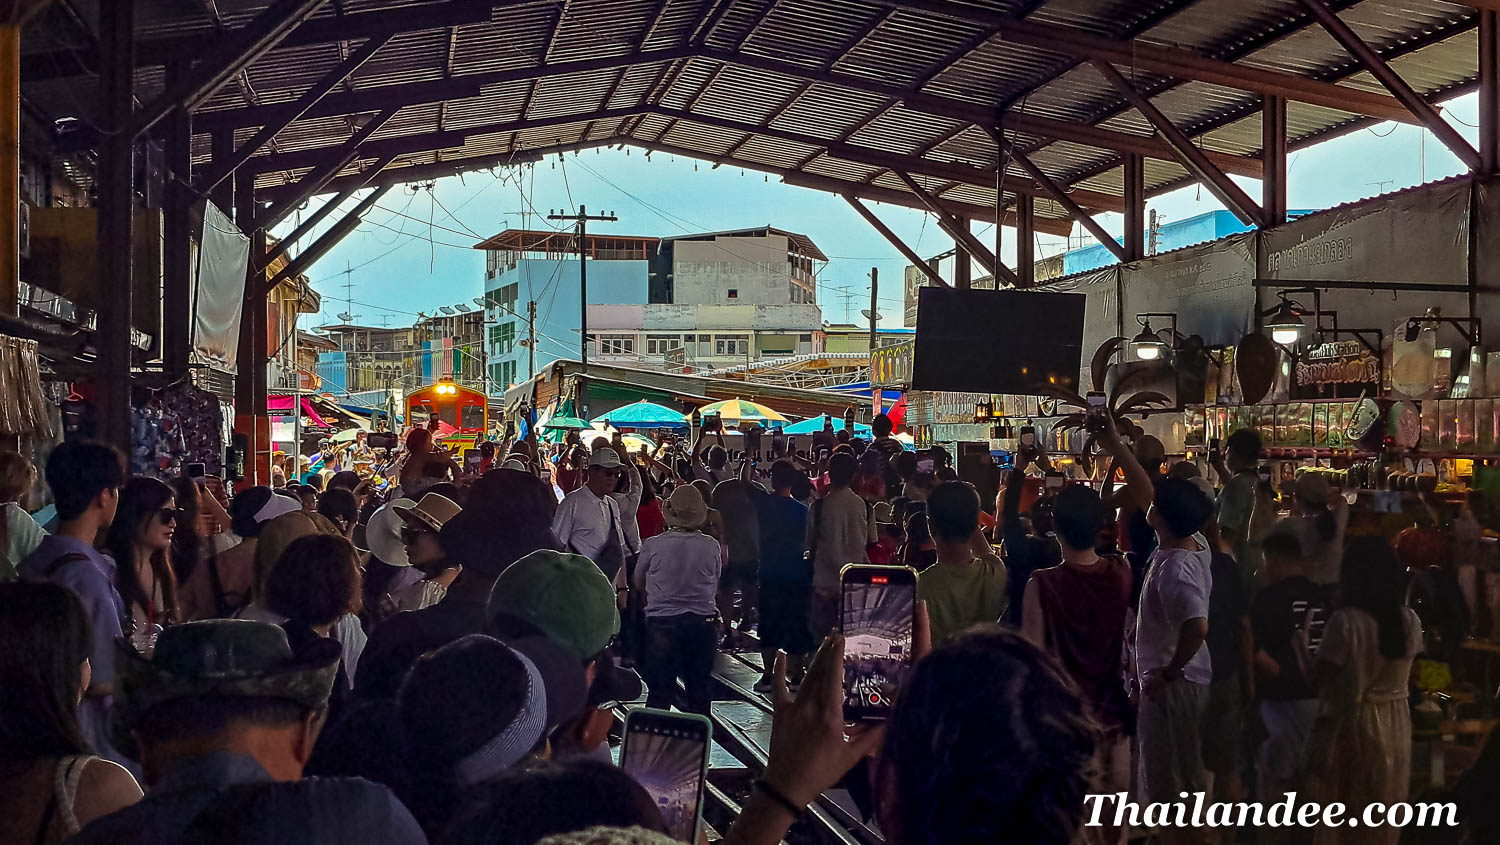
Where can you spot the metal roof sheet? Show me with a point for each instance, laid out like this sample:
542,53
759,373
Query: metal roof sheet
874,76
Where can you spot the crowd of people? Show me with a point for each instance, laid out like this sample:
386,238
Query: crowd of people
442,663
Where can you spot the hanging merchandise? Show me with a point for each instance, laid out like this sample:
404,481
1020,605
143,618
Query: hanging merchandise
23,408
174,427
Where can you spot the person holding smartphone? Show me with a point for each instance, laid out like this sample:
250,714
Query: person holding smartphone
1245,508
1288,703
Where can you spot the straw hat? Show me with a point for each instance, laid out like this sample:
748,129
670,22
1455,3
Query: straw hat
685,508
430,514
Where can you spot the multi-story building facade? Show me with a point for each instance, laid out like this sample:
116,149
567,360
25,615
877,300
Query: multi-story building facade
450,346
686,303
532,294
369,360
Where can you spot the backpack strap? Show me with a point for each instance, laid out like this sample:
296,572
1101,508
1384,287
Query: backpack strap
62,560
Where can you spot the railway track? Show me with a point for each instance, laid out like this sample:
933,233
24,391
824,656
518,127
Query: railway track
742,734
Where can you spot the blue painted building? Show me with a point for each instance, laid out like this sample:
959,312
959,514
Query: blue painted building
525,268
1202,228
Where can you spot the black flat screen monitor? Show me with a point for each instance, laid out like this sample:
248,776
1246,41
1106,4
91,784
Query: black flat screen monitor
997,341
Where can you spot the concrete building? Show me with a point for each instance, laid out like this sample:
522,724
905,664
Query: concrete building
534,274
449,346
369,359
685,303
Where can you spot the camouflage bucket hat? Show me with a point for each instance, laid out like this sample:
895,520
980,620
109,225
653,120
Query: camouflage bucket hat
221,657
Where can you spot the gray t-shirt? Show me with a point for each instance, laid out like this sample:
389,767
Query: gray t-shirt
1177,588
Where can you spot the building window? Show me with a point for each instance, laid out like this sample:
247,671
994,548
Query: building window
616,344
661,344
734,293
491,263
732,345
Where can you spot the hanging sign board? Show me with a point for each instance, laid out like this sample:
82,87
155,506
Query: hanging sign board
1337,370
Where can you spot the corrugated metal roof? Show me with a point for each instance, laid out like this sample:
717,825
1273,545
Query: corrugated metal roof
878,78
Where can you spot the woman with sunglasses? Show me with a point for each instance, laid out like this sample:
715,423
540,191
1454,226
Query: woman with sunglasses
419,532
140,541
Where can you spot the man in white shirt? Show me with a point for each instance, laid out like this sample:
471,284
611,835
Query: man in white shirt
1171,660
588,519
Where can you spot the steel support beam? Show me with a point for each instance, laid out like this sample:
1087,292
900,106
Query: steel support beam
324,30
424,172
958,228
1164,61
325,242
222,148
1273,155
398,145
1061,197
1135,208
299,107
247,44
1060,130
250,366
314,181
868,155
312,220
1190,156
1418,107
177,271
116,189
895,241
1489,90
1026,241
963,260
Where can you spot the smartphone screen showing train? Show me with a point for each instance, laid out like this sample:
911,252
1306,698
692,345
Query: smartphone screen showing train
877,626
668,764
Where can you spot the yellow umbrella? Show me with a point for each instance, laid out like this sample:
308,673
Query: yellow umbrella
741,409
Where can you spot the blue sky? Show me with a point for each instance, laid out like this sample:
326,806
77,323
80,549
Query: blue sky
414,251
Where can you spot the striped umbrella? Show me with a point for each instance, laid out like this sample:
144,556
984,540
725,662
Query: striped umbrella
742,409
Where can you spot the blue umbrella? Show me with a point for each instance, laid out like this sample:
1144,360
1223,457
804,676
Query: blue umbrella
644,414
814,425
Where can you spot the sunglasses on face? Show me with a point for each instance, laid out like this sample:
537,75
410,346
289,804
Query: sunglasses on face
167,515
410,534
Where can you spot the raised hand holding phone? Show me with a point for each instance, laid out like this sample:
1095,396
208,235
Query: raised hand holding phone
667,753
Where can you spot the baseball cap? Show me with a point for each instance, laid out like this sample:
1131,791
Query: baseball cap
563,595
605,458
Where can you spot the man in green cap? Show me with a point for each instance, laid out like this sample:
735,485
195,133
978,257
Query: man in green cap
223,716
567,599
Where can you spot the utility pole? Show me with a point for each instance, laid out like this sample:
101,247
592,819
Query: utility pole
581,219
874,315
531,339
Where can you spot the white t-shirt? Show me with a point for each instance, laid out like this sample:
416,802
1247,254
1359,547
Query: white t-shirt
1177,586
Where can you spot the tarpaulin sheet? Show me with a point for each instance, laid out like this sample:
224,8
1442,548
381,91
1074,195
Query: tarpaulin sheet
1210,287
1101,313
1419,236
219,289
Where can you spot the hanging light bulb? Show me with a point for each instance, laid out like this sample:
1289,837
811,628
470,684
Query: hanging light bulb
1286,324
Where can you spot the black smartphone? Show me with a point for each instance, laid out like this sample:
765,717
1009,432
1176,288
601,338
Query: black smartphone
878,614
383,440
1098,407
752,440
197,471
667,754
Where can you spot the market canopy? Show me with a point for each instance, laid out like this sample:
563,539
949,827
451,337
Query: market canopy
564,422
813,425
283,405
644,414
892,100
738,410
